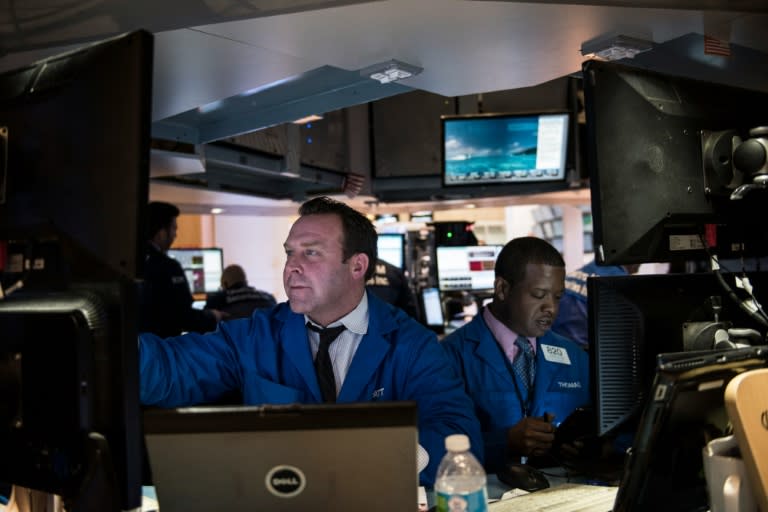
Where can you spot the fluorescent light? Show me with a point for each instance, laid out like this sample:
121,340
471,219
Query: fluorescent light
615,47
216,211
308,119
390,71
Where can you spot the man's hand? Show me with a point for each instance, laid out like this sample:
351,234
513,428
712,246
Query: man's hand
531,436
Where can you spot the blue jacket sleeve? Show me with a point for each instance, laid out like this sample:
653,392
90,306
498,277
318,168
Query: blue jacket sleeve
444,406
186,370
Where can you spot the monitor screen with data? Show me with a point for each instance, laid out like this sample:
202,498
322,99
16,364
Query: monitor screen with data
467,267
203,268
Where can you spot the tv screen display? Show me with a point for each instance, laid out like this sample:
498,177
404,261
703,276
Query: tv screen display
203,268
504,148
469,267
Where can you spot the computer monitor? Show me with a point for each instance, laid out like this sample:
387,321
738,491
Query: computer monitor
505,148
662,170
634,318
432,306
391,248
466,268
75,172
203,267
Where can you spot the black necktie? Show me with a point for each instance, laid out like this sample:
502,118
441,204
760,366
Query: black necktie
323,366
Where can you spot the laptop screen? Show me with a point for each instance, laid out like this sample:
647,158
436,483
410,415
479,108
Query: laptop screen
285,458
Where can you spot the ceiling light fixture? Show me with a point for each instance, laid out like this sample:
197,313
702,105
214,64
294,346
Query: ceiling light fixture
615,47
308,119
390,71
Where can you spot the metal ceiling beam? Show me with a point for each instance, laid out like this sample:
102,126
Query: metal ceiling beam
316,92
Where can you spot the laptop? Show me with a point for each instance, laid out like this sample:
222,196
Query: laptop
284,458
684,411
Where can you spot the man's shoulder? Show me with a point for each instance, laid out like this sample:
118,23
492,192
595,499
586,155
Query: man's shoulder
158,259
391,320
475,329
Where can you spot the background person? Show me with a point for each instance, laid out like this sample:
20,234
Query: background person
390,284
516,416
275,356
165,300
237,299
573,319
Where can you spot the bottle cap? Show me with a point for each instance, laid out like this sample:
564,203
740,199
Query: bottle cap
457,443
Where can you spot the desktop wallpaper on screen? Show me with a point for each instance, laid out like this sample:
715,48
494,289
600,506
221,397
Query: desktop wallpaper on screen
504,148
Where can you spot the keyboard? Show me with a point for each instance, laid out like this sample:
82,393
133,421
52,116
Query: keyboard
561,498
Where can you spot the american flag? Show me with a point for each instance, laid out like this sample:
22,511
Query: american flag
714,46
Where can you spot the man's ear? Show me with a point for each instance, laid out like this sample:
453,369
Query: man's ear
359,264
500,286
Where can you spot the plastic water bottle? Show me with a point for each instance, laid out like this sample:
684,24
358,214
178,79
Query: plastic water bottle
461,481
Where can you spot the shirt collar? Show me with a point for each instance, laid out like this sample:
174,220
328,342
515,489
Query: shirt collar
504,335
355,321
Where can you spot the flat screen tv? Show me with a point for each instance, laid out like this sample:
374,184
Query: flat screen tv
661,167
466,267
202,266
505,148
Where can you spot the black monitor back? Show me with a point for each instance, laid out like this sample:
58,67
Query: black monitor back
634,318
76,162
75,133
651,198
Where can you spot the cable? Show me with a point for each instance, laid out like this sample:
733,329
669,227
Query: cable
753,311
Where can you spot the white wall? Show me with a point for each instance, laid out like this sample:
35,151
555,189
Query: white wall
256,244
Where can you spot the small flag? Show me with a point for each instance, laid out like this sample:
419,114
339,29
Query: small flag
714,46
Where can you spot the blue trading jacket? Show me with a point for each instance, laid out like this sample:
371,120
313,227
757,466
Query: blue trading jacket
571,320
267,357
559,387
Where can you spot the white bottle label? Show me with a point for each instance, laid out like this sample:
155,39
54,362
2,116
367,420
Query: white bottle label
472,502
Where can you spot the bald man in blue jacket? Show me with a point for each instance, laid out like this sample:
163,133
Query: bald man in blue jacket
381,354
519,418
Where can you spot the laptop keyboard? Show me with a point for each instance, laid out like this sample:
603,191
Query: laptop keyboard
561,498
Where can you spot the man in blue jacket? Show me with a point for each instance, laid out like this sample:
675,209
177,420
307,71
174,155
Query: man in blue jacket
517,417
573,319
381,354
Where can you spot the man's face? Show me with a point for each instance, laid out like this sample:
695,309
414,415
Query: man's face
530,307
316,280
166,236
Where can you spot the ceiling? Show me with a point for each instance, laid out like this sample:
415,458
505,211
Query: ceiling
273,61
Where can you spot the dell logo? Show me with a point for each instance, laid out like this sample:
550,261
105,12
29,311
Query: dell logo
285,481
764,419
